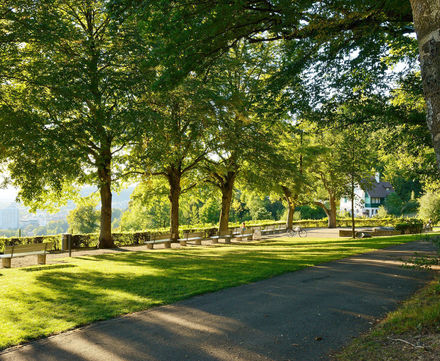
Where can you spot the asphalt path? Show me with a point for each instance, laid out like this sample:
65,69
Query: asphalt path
303,315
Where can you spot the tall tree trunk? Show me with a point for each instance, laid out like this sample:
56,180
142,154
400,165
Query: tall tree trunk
426,14
353,230
332,212
226,188
174,178
290,207
104,173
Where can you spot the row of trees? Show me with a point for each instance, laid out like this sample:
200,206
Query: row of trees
107,92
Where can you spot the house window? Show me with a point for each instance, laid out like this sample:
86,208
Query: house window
375,200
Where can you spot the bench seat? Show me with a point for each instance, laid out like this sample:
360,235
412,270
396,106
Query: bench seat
195,237
21,254
268,230
281,229
226,236
23,250
159,238
244,234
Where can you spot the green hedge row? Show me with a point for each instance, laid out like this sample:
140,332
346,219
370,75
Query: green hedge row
132,238
29,240
410,226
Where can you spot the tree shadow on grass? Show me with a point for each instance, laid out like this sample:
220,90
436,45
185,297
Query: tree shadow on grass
47,267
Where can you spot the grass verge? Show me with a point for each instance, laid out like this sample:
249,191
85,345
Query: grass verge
43,300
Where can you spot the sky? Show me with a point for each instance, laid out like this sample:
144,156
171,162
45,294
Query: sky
8,194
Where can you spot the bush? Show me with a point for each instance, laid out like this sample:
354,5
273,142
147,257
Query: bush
430,207
310,212
382,212
410,226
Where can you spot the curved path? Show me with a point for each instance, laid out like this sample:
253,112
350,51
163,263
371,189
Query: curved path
303,315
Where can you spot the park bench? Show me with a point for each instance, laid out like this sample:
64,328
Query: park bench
166,239
22,250
269,229
223,235
240,233
280,228
195,237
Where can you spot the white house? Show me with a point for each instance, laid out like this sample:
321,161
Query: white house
367,198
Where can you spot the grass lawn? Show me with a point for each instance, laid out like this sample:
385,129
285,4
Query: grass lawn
41,300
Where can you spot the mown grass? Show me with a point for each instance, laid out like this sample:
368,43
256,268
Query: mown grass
42,300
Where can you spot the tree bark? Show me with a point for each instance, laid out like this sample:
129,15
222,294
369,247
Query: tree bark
174,178
332,213
426,14
353,230
104,173
290,207
226,188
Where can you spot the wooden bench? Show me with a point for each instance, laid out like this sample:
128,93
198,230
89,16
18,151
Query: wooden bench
223,235
22,250
166,239
268,230
241,233
197,237
280,228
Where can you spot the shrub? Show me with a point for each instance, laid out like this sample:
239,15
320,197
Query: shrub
382,212
430,207
410,226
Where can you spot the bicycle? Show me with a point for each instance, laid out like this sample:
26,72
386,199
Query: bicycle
297,231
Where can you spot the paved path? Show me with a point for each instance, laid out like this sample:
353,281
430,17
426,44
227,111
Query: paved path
302,315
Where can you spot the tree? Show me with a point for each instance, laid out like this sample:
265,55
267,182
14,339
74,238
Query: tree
357,33
426,20
84,218
430,207
69,104
242,126
285,169
355,162
149,207
210,211
331,177
394,204
177,141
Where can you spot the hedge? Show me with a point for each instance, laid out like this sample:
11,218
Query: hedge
29,240
410,226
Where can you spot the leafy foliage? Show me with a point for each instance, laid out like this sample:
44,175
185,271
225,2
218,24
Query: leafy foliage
84,218
430,207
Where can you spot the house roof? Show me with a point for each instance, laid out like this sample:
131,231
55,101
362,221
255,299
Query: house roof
379,189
